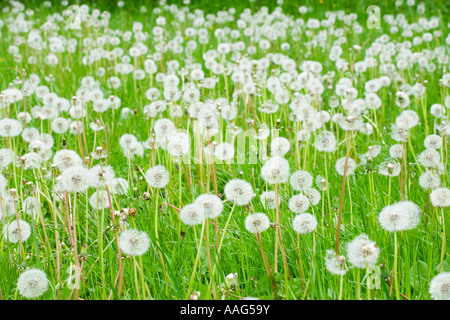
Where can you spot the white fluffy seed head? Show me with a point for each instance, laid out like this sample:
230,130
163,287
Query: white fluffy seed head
14,235
133,242
433,141
119,186
157,176
239,191
335,264
224,151
313,196
362,252
440,286
32,283
299,204
65,159
400,216
301,180
396,151
257,222
340,166
279,147
99,200
440,197
212,205
390,168
275,170
192,214
268,199
101,175
304,223
429,158
429,180
75,179
325,141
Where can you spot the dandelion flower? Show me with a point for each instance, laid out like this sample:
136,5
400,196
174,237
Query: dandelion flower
304,223
429,180
275,170
75,179
133,242
257,222
362,252
224,151
268,199
157,176
440,197
239,191
390,168
64,159
119,186
335,264
279,146
403,215
433,141
6,157
301,180
299,204
99,200
100,175
212,205
429,158
192,214
440,286
340,166
32,283
325,141
12,233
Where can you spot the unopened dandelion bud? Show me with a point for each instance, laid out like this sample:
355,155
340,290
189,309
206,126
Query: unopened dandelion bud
146,196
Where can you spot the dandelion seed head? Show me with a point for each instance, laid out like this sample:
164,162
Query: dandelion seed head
325,141
429,180
32,283
298,204
257,222
301,180
335,264
362,252
400,216
440,197
212,205
429,158
304,223
340,166
275,170
268,199
440,286
14,235
192,214
157,176
239,191
279,147
133,242
75,179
